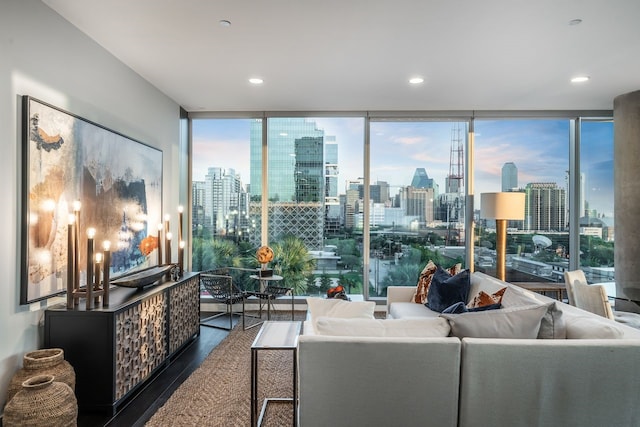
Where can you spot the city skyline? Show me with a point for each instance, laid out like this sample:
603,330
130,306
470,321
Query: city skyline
539,149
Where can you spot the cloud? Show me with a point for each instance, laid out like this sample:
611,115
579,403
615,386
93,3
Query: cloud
407,140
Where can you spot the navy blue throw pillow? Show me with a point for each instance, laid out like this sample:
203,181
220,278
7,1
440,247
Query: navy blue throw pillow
456,308
446,290
486,307
460,307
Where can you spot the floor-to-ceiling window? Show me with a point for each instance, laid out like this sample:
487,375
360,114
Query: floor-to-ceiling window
529,156
416,199
310,212
596,201
225,231
370,200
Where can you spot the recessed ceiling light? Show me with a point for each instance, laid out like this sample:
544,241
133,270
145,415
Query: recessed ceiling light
224,23
575,22
416,80
255,81
580,79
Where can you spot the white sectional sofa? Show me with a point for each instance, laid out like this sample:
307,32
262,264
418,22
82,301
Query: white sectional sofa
589,378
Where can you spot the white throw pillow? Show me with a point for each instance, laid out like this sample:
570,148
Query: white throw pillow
332,307
414,328
587,327
515,322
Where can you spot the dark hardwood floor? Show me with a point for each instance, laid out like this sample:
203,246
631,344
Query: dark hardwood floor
141,407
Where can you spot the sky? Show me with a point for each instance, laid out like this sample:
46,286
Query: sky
539,149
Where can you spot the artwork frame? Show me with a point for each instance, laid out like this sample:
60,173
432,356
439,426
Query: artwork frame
117,180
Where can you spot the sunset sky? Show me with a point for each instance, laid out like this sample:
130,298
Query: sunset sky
539,149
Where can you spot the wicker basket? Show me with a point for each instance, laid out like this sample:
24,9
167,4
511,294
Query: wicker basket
45,361
42,402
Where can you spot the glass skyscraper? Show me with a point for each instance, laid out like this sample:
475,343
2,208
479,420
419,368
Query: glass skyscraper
301,181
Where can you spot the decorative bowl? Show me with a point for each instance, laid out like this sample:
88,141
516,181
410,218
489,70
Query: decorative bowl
143,278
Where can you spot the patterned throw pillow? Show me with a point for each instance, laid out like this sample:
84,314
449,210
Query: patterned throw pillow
424,280
483,299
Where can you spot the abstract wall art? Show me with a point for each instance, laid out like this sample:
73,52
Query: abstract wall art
74,170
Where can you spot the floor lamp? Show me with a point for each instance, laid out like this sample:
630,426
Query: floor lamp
502,207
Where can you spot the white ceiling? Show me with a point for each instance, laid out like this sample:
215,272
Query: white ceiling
341,55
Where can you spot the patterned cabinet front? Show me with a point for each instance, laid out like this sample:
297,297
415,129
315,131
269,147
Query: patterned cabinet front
140,342
184,312
115,349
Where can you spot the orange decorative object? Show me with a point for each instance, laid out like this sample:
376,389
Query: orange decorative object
148,244
264,254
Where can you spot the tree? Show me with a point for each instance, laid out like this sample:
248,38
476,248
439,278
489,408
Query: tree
325,283
292,261
402,275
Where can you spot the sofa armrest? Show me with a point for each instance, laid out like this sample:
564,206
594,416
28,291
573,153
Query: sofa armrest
546,382
360,381
399,294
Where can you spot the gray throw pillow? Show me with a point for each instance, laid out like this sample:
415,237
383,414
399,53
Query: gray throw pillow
553,325
515,322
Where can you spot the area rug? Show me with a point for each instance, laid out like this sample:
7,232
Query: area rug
218,393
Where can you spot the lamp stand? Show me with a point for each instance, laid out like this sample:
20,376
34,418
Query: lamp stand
501,248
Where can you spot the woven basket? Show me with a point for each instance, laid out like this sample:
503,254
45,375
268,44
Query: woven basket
42,402
46,361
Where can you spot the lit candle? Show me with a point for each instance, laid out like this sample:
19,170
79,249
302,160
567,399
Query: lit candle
96,286
106,246
91,232
168,248
70,265
159,244
180,258
76,249
180,209
167,243
167,217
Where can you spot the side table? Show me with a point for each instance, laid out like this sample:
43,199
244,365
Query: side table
274,336
269,292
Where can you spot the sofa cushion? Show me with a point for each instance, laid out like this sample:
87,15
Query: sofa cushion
515,322
552,325
331,307
406,310
446,290
592,327
417,328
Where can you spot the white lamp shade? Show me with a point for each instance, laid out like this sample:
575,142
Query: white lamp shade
508,205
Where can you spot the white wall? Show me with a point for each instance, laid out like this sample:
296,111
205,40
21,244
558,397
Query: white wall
44,56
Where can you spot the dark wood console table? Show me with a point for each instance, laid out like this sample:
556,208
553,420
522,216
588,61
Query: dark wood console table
115,349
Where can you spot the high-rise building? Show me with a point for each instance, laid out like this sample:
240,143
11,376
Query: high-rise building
509,176
331,198
198,218
301,179
419,203
421,179
544,207
225,201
